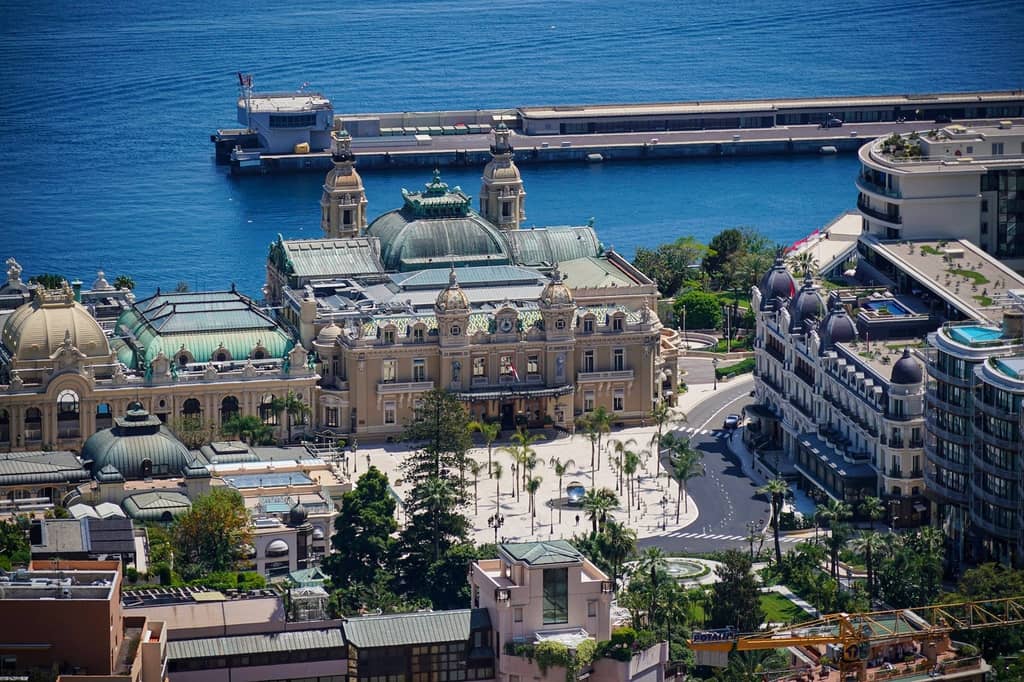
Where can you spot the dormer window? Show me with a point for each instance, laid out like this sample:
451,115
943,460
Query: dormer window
588,325
617,323
389,335
419,334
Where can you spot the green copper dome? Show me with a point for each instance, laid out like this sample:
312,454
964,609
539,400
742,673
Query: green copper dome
138,446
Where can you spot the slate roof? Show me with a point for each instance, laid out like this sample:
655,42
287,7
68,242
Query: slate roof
550,245
19,468
150,506
409,242
133,439
213,647
414,628
437,278
593,273
86,535
542,553
317,258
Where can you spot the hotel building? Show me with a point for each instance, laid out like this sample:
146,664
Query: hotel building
950,183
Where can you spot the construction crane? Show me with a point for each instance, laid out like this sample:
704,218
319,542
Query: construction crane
856,633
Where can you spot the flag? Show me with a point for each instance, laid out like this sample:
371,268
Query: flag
512,369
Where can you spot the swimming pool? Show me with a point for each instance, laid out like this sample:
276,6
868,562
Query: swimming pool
975,334
894,308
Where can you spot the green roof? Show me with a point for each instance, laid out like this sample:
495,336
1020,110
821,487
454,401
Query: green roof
310,258
542,553
505,275
409,242
308,577
202,323
414,628
20,468
133,439
152,505
213,647
593,273
550,245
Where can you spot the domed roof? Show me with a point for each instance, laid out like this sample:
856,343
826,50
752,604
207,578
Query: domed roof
437,226
277,548
907,370
297,515
329,334
38,328
808,305
138,446
452,297
777,282
555,292
838,326
342,178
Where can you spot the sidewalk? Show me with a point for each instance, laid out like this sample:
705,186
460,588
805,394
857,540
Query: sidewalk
760,476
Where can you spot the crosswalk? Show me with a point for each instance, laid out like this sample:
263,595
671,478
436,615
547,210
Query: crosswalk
693,431
730,538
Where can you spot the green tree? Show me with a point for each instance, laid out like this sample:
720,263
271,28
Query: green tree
670,264
561,469
910,571
873,508
521,450
47,280
445,579
721,249
586,425
835,513
14,547
616,544
601,421
248,428
496,472
870,544
620,448
803,264
653,566
597,502
991,581
209,537
474,467
686,464
194,432
736,599
490,432
532,486
663,415
124,282
293,407
630,465
776,489
363,533
703,310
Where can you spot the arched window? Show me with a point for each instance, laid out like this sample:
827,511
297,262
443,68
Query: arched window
182,360
33,425
228,408
68,423
146,467
104,416
221,357
267,413
191,408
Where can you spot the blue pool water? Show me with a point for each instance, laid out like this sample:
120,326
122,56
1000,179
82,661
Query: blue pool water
107,108
894,308
972,334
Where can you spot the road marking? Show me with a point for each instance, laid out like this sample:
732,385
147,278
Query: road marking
723,408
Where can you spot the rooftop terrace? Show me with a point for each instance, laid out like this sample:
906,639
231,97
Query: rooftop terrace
58,584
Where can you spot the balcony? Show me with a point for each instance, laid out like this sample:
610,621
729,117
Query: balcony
774,385
938,491
867,185
805,410
941,375
951,464
946,434
594,377
776,353
1007,532
996,498
865,208
998,441
995,410
980,462
391,388
935,401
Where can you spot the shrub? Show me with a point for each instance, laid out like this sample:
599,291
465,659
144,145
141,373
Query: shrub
549,654
703,310
132,574
741,367
624,636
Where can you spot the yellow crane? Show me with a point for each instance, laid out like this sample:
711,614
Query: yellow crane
856,633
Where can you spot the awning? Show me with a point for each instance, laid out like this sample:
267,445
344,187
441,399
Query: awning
515,391
920,508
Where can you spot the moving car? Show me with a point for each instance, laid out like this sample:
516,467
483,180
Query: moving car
832,122
732,421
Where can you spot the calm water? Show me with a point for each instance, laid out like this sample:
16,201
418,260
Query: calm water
107,108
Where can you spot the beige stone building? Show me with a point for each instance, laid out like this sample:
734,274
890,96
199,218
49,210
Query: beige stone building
529,327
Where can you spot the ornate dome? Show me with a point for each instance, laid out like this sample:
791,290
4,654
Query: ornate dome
329,334
808,305
37,329
297,515
907,370
138,446
555,292
777,282
501,166
277,548
452,297
434,227
838,326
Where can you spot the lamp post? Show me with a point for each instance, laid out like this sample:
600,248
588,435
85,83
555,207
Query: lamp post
753,528
355,452
685,344
496,521
714,363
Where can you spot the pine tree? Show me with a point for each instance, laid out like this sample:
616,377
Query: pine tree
736,601
363,533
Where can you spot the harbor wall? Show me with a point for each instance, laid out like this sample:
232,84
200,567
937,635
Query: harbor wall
424,157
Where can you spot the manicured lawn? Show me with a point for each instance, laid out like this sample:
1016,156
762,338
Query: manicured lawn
778,609
978,278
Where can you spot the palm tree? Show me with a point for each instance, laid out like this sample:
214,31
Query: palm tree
630,467
560,468
597,502
776,489
475,468
820,515
836,512
496,471
490,431
585,425
873,508
247,427
652,564
617,542
523,454
124,282
292,405
437,496
869,544
803,264
601,420
662,415
686,464
620,449
532,485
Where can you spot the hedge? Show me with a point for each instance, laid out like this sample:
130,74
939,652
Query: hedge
741,367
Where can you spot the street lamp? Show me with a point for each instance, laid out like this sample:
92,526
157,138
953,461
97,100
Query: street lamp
496,521
685,344
753,528
355,459
714,363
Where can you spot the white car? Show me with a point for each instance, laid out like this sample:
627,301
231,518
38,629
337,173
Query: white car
732,421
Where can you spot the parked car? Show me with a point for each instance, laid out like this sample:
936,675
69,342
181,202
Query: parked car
832,122
732,421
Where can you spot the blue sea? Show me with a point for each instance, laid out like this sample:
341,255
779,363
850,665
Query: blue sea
106,110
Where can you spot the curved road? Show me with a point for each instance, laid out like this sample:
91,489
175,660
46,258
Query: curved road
726,499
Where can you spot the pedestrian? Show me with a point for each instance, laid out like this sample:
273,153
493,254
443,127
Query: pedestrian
577,520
